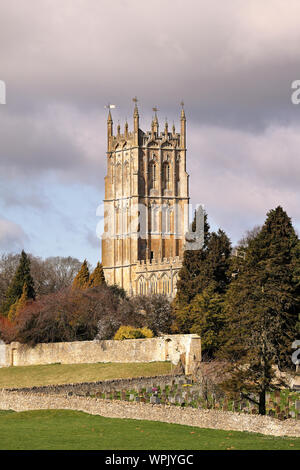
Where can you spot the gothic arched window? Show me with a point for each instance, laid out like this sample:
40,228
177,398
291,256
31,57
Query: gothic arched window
126,178
153,285
154,218
165,285
166,176
142,286
166,219
152,175
118,181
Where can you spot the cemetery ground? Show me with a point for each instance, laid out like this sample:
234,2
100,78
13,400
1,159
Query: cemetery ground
52,374
68,430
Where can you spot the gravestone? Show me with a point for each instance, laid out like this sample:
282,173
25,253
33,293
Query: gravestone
154,400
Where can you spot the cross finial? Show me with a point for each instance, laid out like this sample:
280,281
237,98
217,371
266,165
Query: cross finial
155,109
135,100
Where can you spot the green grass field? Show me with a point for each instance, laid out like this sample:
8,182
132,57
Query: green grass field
30,376
68,430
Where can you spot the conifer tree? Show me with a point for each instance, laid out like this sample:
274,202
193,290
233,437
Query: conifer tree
262,307
97,277
187,284
19,304
81,280
21,277
207,314
207,275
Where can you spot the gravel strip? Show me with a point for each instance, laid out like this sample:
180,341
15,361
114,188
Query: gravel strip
213,419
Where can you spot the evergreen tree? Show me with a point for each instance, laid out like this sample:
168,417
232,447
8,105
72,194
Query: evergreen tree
81,280
97,277
207,274
21,277
187,284
207,314
262,307
19,304
216,265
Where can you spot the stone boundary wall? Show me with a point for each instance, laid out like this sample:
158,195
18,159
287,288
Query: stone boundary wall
90,388
213,419
164,348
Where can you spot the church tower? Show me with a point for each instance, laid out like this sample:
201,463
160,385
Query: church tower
145,206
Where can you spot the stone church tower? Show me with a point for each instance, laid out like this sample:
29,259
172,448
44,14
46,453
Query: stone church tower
145,206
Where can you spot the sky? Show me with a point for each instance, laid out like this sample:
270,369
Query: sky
62,61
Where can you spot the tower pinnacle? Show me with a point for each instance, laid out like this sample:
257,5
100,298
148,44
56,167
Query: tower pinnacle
155,120
135,120
182,127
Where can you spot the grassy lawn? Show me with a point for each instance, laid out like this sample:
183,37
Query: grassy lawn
30,376
67,430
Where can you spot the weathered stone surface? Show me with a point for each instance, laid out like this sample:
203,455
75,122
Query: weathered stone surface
168,347
214,419
145,205
106,386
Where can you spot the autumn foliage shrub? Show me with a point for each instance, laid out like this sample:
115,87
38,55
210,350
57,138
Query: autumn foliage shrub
70,315
130,332
93,313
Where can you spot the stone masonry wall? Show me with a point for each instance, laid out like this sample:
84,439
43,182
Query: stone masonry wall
165,348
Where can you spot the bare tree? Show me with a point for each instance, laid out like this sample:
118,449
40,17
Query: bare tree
49,275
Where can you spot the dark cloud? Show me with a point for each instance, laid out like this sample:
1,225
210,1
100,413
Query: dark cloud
58,139
232,62
241,175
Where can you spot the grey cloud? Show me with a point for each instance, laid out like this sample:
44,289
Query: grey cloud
93,240
232,61
58,140
32,196
242,175
12,236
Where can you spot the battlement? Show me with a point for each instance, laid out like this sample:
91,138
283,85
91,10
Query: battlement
159,262
122,138
161,138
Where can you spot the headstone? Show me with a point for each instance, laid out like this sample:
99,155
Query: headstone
154,400
179,399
